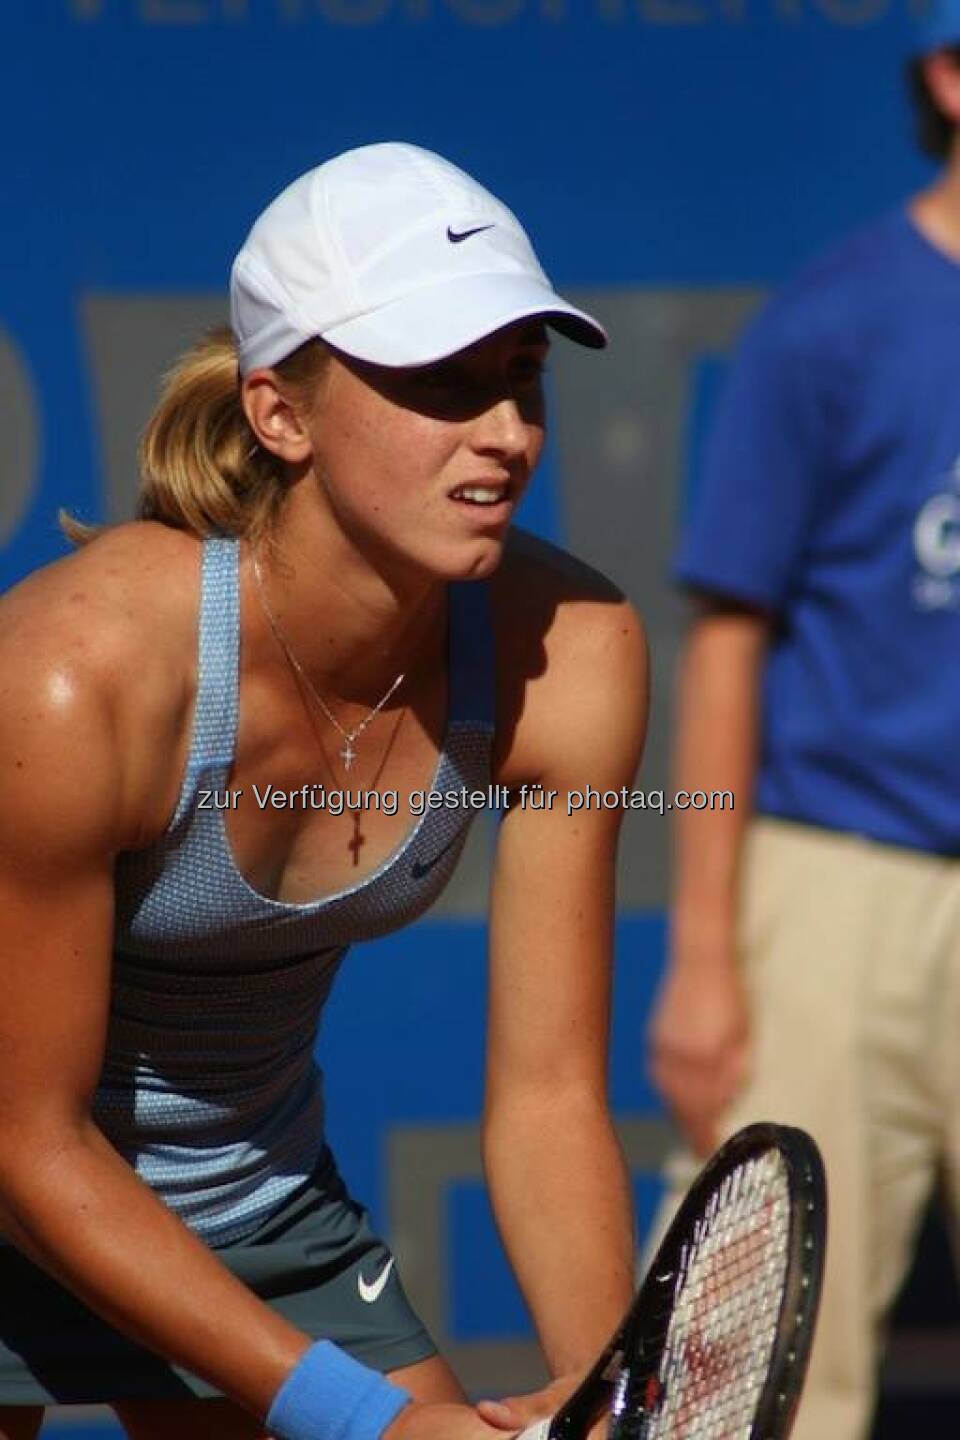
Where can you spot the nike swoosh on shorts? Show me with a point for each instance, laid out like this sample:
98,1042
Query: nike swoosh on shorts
373,1290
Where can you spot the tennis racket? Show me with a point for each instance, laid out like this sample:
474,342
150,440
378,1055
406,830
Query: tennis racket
715,1345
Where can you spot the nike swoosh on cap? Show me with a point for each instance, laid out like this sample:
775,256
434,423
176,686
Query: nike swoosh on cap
373,1290
455,236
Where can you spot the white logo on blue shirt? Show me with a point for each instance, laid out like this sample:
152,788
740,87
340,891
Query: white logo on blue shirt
936,544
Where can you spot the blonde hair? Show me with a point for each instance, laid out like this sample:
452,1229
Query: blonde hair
201,468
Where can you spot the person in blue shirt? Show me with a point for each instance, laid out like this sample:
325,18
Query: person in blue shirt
815,968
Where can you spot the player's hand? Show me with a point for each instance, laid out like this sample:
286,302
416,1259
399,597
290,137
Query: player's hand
699,1044
422,1421
517,1412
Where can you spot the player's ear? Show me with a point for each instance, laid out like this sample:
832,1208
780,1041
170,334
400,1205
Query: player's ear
277,424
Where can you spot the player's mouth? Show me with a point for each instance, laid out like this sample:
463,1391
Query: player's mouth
491,498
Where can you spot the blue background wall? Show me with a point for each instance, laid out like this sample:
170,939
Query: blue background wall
649,145
644,142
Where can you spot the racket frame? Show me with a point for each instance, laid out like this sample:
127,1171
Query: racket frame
805,1250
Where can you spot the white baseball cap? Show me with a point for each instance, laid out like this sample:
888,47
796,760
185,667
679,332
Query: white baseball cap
392,255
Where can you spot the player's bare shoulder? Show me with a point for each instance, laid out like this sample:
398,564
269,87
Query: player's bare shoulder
550,605
97,667
571,650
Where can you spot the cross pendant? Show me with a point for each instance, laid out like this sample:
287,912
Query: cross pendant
348,755
357,840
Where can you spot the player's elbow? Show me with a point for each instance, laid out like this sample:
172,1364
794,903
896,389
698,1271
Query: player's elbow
543,1107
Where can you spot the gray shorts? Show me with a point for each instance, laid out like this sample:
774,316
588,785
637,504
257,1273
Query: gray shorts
315,1261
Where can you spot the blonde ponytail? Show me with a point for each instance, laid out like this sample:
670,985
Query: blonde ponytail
201,468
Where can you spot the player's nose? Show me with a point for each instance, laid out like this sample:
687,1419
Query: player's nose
502,429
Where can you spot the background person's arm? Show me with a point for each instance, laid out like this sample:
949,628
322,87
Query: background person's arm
699,1032
747,542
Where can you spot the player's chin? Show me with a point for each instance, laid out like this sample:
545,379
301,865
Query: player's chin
478,559
471,556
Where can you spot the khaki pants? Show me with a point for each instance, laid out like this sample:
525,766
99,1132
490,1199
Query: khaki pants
851,954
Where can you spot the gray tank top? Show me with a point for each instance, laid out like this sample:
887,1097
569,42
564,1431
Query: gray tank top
209,1087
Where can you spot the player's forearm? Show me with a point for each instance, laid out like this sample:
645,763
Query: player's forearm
560,1192
715,750
79,1210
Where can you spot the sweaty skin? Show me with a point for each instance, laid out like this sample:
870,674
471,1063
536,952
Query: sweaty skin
91,764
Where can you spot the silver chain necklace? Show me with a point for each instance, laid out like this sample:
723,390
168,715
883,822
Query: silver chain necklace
347,754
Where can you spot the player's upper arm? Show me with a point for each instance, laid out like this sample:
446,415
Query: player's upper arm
61,823
575,674
578,668
599,693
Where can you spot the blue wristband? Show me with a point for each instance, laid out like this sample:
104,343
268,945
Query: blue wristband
330,1396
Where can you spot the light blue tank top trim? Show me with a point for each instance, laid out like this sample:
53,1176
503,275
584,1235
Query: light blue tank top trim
209,1086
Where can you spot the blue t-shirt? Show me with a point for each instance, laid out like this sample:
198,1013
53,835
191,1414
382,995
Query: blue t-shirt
831,496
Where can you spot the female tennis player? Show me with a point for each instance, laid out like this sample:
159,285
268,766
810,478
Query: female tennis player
321,598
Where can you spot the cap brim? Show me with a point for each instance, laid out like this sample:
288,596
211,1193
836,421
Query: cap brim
438,320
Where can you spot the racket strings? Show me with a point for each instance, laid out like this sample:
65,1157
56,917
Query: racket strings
726,1306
